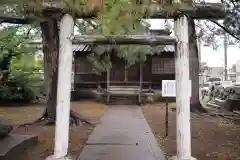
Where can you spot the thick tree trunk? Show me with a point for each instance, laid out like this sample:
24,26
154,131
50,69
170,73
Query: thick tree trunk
50,39
194,67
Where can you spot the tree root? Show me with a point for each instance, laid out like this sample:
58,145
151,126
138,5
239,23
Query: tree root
229,116
215,114
233,118
75,119
198,108
237,112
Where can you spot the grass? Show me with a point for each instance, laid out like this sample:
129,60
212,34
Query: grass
77,135
213,138
19,115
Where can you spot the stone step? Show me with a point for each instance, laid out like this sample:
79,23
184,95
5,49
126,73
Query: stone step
120,86
123,92
219,101
124,88
123,100
213,105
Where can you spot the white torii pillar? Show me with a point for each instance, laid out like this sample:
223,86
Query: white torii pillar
238,72
182,90
63,89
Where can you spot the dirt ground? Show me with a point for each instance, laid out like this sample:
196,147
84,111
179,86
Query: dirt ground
78,134
213,138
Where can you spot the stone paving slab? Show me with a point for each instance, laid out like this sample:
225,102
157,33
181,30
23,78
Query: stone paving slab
116,152
117,136
123,134
14,144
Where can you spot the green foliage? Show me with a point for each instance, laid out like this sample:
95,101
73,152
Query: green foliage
14,41
25,81
134,53
121,17
116,18
20,77
16,38
102,55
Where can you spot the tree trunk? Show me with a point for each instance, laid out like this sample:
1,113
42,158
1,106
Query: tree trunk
194,68
4,67
50,38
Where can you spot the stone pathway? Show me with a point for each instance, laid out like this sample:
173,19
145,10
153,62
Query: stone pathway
123,134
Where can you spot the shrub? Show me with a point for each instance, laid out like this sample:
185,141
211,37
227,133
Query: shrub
25,81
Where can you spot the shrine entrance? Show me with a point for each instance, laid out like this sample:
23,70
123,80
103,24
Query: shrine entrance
121,72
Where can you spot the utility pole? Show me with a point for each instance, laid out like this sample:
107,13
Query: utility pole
199,49
238,72
201,76
225,43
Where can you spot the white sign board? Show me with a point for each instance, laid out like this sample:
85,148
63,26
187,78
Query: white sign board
169,88
226,83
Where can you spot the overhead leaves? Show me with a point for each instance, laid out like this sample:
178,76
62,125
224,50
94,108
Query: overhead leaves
233,15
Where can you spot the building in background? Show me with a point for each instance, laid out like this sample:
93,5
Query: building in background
215,72
232,76
202,78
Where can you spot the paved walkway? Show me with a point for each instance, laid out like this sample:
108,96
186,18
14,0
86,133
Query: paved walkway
123,134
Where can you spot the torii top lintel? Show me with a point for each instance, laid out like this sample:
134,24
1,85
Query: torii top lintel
197,11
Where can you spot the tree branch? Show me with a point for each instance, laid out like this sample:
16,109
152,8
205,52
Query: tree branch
226,30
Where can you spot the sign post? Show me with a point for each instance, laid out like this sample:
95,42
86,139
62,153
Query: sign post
166,118
168,91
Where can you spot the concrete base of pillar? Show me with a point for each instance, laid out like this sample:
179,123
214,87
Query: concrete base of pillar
63,158
176,158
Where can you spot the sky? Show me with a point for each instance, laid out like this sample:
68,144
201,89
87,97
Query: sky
213,58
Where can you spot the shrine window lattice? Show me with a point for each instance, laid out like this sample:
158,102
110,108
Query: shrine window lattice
163,66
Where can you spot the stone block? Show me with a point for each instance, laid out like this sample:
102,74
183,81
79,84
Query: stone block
14,144
5,128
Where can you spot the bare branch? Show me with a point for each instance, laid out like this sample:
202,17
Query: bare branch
226,30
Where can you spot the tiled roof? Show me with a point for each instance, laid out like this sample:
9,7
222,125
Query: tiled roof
169,48
84,48
81,48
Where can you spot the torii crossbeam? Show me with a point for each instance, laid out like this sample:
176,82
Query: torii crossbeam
54,7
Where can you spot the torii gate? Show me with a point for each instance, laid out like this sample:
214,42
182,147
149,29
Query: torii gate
182,80
197,11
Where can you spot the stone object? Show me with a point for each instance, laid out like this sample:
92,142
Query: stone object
14,144
233,101
5,128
